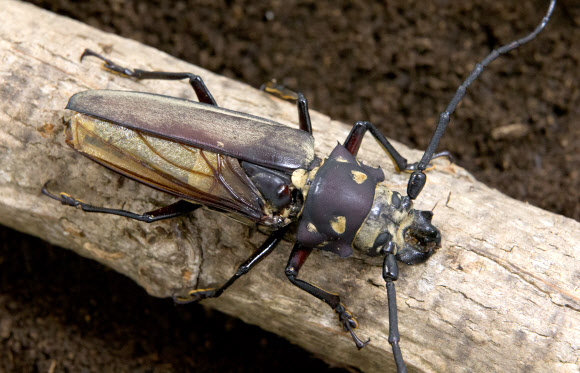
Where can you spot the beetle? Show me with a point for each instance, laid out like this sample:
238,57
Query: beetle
264,173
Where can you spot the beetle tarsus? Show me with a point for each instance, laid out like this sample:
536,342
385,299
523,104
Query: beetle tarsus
411,167
297,259
194,296
63,198
348,324
202,92
359,344
280,91
109,65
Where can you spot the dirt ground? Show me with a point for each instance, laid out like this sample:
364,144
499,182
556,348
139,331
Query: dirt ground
396,64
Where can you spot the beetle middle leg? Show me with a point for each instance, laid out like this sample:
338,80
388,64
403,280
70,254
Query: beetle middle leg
201,91
176,209
195,295
297,259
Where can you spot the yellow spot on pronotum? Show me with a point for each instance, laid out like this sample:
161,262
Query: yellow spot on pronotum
338,224
358,177
220,144
341,159
311,228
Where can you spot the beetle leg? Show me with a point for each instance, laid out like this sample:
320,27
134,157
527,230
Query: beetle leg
417,179
287,94
411,167
195,295
355,137
297,259
195,81
178,208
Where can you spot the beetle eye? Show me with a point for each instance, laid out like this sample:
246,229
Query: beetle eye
283,191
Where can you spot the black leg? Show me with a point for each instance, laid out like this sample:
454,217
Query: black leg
390,274
171,211
297,259
195,81
289,95
195,295
355,137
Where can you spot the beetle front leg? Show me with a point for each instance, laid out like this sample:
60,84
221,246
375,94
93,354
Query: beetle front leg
201,91
417,179
195,295
297,259
355,137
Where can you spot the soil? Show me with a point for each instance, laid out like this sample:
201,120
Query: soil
396,64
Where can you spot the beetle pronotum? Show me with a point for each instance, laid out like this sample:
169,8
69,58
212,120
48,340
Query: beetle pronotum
264,173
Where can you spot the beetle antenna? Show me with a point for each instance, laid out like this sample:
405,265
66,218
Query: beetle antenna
390,275
418,178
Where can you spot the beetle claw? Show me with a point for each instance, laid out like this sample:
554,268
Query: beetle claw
413,166
348,324
63,198
108,64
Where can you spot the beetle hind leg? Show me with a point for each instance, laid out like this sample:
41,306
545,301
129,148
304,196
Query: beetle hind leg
170,211
297,259
202,92
196,295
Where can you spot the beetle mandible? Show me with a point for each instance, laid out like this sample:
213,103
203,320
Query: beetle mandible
264,174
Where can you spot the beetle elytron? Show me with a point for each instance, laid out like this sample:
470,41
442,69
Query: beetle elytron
261,172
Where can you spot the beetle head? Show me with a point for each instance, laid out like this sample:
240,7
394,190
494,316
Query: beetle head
421,239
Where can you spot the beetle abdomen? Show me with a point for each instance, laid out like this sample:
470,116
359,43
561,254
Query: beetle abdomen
190,173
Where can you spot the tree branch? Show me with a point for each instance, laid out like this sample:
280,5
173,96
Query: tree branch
501,294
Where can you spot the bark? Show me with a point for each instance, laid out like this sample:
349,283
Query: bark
501,294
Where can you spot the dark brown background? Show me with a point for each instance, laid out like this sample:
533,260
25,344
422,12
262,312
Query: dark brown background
395,64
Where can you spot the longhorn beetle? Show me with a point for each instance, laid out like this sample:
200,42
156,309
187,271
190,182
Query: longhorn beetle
263,173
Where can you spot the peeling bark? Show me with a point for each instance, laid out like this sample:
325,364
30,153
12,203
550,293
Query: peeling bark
501,295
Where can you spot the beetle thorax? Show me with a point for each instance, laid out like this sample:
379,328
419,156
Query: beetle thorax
338,198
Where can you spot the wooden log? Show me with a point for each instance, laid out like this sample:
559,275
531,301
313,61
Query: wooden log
501,295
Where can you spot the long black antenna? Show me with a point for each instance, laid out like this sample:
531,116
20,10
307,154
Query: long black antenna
418,178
